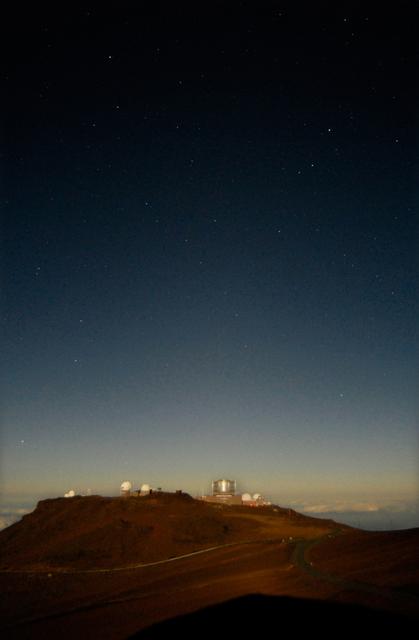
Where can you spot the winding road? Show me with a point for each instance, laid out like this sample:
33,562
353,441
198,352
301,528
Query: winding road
165,587
300,559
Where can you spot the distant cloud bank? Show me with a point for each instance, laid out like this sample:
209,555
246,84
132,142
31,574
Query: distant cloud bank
9,515
341,507
385,514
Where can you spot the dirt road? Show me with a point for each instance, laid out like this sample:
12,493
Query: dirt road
301,559
112,604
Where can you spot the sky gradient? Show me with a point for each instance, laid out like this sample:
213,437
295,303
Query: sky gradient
210,254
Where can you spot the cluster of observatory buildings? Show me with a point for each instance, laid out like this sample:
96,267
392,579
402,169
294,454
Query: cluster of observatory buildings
223,492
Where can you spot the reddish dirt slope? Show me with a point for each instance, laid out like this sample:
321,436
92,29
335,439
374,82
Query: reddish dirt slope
389,558
98,532
380,571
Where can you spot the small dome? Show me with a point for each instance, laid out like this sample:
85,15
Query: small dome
126,486
246,497
70,494
256,496
145,488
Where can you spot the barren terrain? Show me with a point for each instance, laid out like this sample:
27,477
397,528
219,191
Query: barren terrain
111,567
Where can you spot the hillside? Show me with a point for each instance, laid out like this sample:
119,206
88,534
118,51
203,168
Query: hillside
80,568
384,558
99,532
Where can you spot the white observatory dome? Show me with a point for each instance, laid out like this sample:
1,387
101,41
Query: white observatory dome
145,488
126,486
246,497
256,496
70,494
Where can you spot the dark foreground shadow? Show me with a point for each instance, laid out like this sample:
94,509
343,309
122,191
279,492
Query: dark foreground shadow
252,615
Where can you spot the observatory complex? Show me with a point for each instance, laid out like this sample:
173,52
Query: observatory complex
126,490
224,492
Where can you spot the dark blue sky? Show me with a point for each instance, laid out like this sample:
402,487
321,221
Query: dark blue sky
210,246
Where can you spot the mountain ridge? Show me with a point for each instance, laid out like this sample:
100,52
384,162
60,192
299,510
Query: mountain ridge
104,532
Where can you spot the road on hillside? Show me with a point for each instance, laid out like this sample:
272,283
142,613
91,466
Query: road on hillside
300,558
131,567
148,588
138,597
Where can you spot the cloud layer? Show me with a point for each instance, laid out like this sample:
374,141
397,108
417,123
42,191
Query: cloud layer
9,515
341,507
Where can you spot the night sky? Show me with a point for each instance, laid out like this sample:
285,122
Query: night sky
209,249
